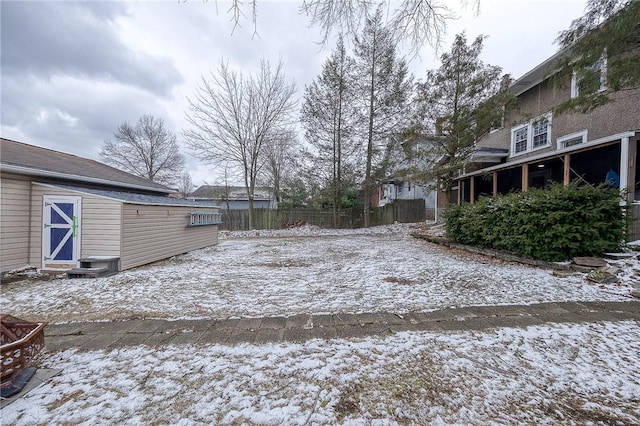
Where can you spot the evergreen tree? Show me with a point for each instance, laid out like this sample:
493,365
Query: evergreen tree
609,30
328,117
384,87
457,104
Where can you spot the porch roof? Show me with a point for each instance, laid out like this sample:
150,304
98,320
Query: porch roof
551,154
489,155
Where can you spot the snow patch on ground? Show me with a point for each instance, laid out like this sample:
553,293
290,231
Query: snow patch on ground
559,374
285,273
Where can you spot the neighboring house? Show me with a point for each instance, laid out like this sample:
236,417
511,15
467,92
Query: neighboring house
401,189
535,147
234,197
397,187
58,208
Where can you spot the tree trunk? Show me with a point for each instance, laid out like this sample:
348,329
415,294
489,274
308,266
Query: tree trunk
339,149
367,178
250,185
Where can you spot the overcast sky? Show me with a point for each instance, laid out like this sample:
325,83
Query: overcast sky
73,71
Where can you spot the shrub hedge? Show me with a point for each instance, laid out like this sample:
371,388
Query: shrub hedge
553,224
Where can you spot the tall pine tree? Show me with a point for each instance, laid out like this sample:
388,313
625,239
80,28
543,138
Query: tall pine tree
384,87
328,115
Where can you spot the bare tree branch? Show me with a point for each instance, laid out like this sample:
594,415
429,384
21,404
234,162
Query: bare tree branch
232,116
147,149
417,22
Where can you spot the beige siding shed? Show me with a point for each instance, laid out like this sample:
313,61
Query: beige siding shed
101,230
151,233
138,229
14,221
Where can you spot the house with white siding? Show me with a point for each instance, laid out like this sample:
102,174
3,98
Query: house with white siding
59,210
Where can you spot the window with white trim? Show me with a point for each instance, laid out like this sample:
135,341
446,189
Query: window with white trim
592,79
520,137
572,139
531,136
205,218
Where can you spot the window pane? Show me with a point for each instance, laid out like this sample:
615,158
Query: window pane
520,139
572,142
540,132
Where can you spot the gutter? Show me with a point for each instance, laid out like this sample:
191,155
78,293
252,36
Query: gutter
67,176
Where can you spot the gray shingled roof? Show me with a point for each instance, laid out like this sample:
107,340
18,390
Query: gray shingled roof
236,193
135,198
36,161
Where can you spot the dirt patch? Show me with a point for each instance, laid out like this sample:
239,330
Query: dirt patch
29,274
396,280
349,403
286,264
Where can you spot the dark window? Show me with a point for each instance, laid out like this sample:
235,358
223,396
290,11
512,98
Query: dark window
594,165
465,187
542,174
483,186
509,180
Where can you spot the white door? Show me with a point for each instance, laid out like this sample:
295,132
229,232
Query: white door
61,231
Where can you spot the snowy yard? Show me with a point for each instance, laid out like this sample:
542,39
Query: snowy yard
567,373
560,374
303,271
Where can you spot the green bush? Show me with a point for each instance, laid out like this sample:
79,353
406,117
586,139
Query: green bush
553,224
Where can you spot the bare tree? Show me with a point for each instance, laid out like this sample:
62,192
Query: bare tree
414,21
232,116
280,157
185,185
146,149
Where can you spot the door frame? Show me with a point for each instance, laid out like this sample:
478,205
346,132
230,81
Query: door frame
47,200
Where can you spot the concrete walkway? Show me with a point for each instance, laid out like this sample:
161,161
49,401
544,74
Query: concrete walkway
299,328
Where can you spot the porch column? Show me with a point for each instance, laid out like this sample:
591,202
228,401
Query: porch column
567,170
624,167
495,183
472,189
525,177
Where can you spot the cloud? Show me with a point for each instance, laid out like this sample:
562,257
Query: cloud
47,39
70,114
73,71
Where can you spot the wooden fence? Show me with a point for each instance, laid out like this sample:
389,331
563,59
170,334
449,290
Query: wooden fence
402,211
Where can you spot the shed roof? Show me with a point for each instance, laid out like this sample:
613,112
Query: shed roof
22,158
132,197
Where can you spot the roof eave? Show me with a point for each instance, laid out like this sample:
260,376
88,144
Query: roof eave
538,74
29,171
